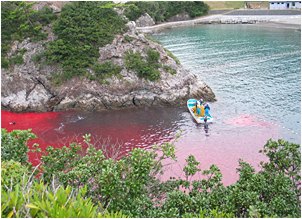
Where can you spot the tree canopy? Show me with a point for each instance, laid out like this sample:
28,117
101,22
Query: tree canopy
129,187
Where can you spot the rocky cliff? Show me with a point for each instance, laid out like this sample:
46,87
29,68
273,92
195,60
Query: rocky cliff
28,86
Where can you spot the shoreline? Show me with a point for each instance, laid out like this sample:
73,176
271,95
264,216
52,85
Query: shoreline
275,21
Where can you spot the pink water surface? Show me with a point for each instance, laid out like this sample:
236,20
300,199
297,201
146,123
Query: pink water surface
223,144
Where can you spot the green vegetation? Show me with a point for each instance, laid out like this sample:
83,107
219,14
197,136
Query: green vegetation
105,70
148,68
169,70
18,22
161,11
37,58
14,145
82,28
128,38
149,37
79,181
172,56
16,59
216,5
34,199
12,173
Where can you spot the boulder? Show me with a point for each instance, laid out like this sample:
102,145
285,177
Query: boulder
144,21
179,17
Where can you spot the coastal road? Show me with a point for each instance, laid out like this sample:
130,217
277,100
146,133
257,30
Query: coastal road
285,18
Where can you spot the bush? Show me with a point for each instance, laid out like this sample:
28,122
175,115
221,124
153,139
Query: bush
153,58
44,16
37,58
4,62
161,11
19,21
128,39
82,28
16,60
117,184
130,185
41,201
14,145
106,70
12,173
172,56
144,69
170,70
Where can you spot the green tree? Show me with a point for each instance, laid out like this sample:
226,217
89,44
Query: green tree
14,145
81,29
80,175
161,11
148,68
19,21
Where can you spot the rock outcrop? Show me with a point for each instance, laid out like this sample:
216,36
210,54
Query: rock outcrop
179,17
144,21
28,87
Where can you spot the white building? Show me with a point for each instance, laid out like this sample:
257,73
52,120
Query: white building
284,5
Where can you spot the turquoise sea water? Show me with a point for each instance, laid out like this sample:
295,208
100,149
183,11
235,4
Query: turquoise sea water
252,70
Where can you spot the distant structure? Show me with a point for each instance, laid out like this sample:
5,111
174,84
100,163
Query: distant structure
277,5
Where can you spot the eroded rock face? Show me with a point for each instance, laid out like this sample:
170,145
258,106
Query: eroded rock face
27,87
144,21
179,17
55,5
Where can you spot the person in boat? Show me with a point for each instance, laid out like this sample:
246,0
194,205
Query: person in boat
202,111
196,109
207,109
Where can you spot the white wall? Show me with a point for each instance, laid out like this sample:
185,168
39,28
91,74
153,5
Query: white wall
284,5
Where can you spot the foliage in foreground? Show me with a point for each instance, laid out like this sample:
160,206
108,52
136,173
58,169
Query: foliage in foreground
130,185
14,145
36,199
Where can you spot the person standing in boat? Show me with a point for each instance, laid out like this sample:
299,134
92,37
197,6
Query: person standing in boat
202,110
207,109
197,109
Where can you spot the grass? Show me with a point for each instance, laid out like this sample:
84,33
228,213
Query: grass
214,5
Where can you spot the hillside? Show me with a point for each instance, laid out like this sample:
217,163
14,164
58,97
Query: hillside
88,56
219,5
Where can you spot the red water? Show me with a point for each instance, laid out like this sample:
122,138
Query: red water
226,141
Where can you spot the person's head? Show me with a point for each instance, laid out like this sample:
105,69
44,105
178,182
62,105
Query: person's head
201,100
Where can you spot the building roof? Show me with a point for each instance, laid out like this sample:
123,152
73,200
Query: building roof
283,1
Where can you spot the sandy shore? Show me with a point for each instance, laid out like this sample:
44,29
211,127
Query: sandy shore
277,21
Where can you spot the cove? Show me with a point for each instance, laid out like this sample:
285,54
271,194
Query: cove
255,74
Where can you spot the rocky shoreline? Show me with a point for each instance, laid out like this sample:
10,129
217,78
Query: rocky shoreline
284,21
28,86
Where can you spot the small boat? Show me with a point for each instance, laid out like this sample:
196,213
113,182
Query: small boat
199,119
